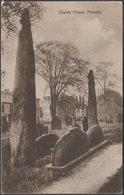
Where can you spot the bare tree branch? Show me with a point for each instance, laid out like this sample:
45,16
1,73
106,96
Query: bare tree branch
60,66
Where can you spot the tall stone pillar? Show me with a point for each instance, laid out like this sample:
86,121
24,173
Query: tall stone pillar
84,114
24,98
92,104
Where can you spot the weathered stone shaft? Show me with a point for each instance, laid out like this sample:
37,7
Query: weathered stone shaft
24,97
92,103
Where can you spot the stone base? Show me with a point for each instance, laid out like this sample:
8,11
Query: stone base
79,159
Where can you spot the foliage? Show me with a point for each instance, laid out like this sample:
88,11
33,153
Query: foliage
60,65
106,79
117,98
112,132
112,107
11,12
66,104
26,179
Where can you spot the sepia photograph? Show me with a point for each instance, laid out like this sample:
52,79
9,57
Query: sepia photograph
61,97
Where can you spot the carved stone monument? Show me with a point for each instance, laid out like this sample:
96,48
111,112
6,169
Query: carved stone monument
92,104
43,145
70,146
95,135
24,98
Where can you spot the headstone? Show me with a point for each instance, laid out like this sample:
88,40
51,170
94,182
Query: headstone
41,129
85,124
92,104
69,120
43,145
95,135
70,146
76,125
56,123
24,98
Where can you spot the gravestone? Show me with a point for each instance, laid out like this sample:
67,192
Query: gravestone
92,104
43,145
85,124
41,129
69,120
56,123
95,135
24,98
70,146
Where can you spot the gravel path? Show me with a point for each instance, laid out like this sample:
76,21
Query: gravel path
91,174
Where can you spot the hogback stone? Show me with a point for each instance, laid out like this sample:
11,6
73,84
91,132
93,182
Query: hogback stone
70,146
95,135
43,145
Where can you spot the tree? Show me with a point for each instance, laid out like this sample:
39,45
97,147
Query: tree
113,105
66,104
10,15
105,77
59,64
11,12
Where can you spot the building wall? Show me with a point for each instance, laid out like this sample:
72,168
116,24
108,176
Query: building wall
44,104
6,106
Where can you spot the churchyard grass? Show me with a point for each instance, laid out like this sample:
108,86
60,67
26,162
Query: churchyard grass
113,131
28,180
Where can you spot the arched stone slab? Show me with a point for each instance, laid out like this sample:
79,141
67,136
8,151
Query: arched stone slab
70,146
95,135
43,145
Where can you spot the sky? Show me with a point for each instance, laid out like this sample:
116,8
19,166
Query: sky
96,31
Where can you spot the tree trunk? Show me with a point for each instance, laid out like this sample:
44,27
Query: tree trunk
24,98
105,100
53,113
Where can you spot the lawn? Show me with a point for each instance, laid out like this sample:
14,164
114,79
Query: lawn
113,131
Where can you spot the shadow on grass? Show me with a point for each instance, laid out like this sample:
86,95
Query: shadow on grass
114,185
27,179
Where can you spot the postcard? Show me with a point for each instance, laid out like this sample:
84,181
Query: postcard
61,97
